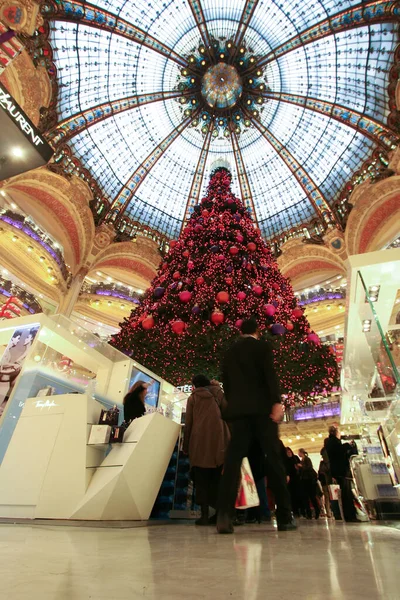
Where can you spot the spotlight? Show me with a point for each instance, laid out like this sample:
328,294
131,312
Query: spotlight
17,152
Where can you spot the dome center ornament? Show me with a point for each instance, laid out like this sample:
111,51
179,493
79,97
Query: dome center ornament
221,86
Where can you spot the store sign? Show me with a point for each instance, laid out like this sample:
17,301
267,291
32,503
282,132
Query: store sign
187,389
16,114
45,404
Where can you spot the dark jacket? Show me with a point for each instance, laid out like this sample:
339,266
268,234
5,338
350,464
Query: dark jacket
133,406
324,471
206,434
338,459
307,471
250,382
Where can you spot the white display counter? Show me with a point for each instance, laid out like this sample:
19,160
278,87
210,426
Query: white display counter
50,472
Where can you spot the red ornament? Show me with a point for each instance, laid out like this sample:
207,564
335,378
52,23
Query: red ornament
269,310
185,296
275,286
239,238
238,323
223,297
233,250
186,253
176,275
217,317
148,323
173,244
190,264
200,280
313,338
198,228
289,325
221,257
205,213
297,313
257,289
178,326
164,266
251,247
241,296
228,280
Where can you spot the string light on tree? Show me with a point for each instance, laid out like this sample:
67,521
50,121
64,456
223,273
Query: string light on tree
219,272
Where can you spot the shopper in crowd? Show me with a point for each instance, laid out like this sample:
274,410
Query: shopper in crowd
325,478
308,479
134,401
292,460
206,439
254,410
340,470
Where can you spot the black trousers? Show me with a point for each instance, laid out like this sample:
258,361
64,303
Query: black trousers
206,483
310,495
244,432
349,512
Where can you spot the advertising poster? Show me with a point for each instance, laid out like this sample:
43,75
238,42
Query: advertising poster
12,360
153,390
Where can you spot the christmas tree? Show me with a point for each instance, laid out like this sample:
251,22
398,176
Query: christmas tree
218,273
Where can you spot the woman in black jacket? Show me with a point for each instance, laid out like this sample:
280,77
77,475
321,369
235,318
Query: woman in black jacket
308,477
291,462
134,401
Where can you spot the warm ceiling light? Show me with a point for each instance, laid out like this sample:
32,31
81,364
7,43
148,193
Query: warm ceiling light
203,63
229,45
98,273
241,63
30,248
297,437
259,73
191,59
193,80
242,50
14,238
49,269
250,81
13,205
139,291
328,307
313,439
252,59
17,152
237,117
2,193
222,55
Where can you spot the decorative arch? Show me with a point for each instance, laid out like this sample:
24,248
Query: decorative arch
29,85
308,264
140,258
60,206
375,219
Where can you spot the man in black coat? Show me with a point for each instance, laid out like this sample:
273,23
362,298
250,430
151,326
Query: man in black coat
254,410
340,470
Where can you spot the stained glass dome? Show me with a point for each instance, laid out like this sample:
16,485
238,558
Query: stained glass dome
291,94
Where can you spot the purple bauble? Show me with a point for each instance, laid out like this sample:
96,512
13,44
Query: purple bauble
237,218
172,286
196,309
214,249
159,292
275,303
277,329
229,269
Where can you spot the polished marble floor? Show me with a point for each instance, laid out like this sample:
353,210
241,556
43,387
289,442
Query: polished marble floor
170,562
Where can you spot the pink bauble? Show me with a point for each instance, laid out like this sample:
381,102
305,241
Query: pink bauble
200,280
190,264
289,325
297,313
238,323
185,296
257,289
178,326
251,247
198,228
221,257
313,338
228,280
275,286
176,275
239,238
269,310
241,296
223,297
186,253
233,250
148,322
217,317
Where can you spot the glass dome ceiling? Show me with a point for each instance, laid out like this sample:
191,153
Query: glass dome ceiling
323,105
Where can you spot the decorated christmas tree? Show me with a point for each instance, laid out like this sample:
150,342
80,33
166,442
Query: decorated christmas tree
219,272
